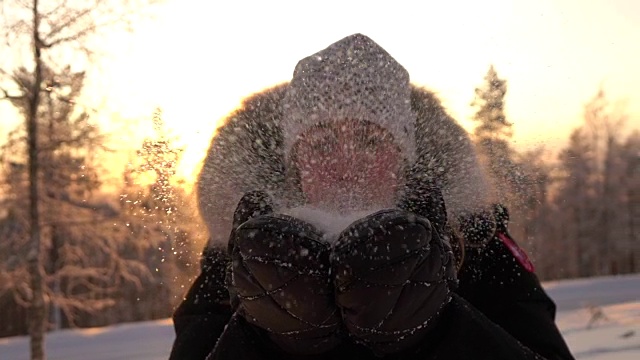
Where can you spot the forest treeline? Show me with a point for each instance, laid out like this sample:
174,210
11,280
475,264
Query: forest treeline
576,209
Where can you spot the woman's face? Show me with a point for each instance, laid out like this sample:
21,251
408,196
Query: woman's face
348,165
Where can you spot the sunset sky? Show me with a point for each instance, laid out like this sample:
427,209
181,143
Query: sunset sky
198,58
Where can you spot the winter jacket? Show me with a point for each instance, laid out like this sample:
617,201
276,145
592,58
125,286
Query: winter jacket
499,310
516,321
500,282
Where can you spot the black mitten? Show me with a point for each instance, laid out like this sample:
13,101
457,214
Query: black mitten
392,277
477,228
281,276
252,204
490,249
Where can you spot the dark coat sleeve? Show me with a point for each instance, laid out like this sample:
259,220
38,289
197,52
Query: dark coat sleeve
205,311
505,289
463,332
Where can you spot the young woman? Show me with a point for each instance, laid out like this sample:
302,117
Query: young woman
349,218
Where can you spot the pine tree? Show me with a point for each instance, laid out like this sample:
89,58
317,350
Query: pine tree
521,181
491,116
493,133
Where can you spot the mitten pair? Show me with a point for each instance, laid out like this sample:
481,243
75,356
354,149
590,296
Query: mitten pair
385,280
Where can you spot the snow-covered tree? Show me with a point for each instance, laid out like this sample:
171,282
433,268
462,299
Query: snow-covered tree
46,36
80,249
597,188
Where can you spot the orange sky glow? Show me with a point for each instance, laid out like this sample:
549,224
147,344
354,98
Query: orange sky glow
198,59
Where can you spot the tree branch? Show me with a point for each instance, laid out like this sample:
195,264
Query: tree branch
73,19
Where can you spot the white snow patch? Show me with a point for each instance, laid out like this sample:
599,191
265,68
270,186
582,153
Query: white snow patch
331,224
597,291
615,336
133,341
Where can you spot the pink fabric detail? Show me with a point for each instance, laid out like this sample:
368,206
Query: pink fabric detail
517,252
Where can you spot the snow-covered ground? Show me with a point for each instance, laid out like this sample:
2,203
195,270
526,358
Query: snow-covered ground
134,341
599,317
610,304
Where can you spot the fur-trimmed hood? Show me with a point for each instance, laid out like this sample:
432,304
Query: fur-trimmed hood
246,153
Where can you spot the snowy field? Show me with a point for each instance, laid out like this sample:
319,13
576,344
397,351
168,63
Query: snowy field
599,317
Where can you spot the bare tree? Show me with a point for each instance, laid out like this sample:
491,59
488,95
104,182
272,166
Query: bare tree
39,34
